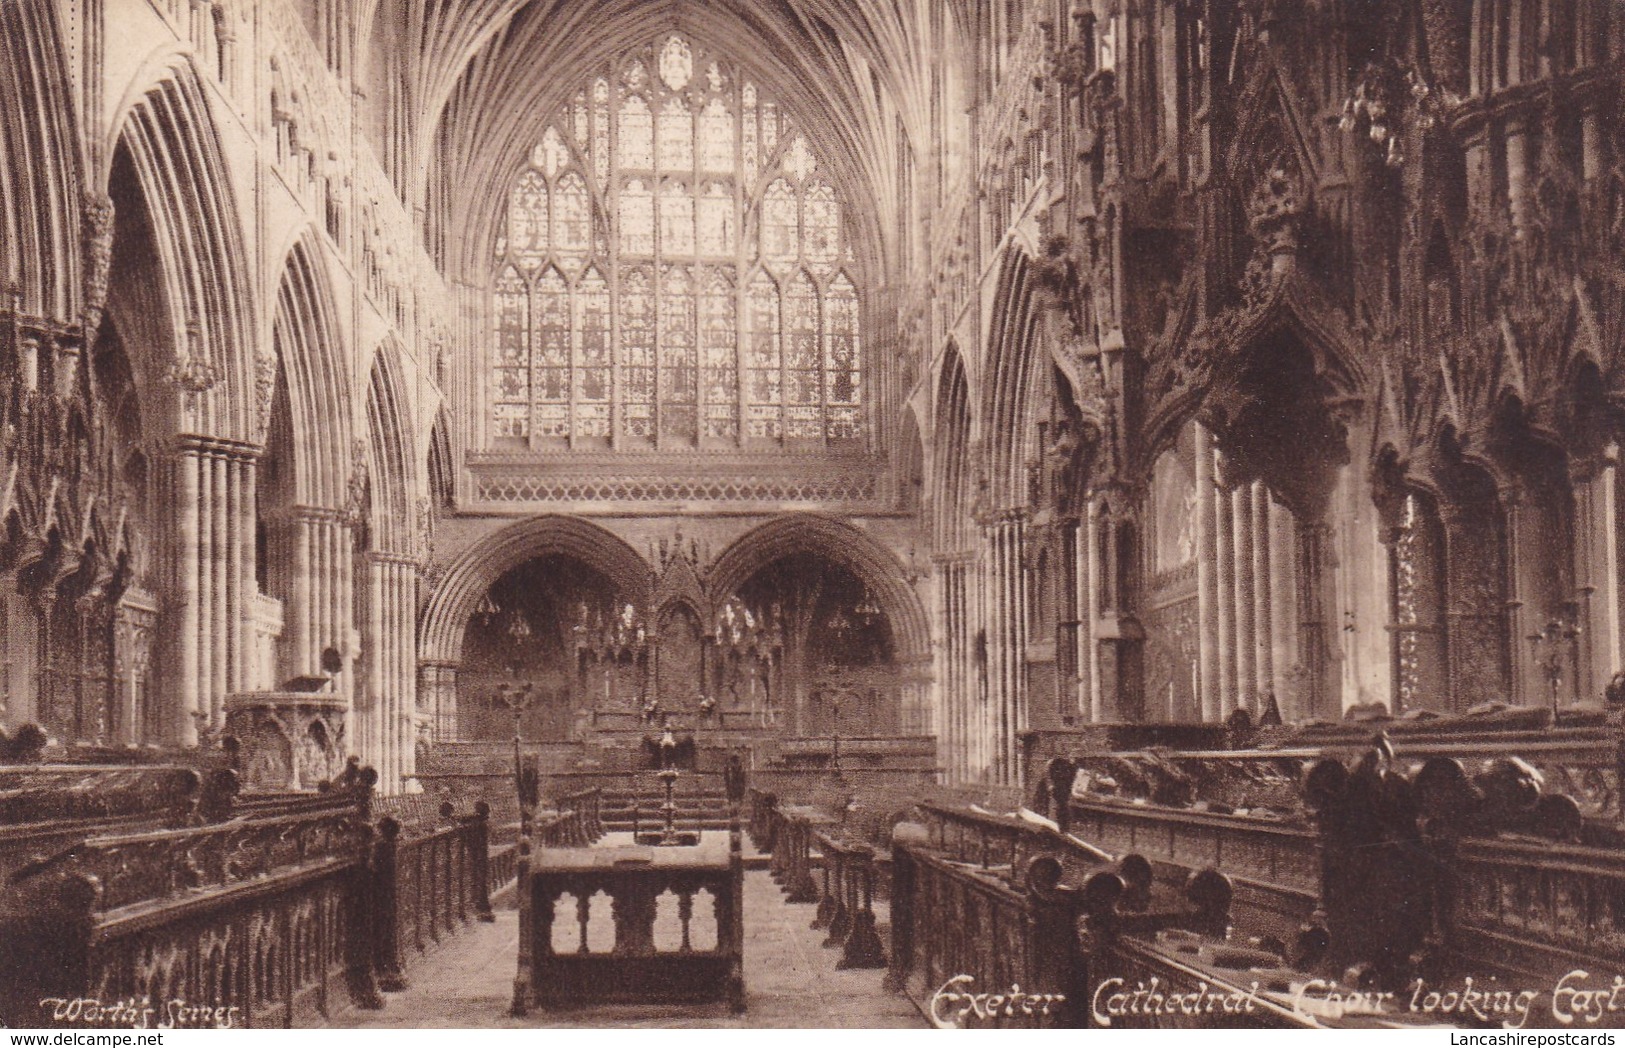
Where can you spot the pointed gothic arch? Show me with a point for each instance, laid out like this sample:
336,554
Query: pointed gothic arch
470,575
842,543
953,474
310,354
39,214
393,466
1013,354
439,471
168,133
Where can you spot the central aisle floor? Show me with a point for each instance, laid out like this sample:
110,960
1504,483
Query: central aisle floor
790,981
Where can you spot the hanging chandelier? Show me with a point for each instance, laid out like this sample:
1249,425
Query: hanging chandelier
742,628
609,630
868,609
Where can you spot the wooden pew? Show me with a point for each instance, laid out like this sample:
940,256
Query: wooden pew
427,883
1411,864
574,889
591,918
255,919
965,923
846,909
272,916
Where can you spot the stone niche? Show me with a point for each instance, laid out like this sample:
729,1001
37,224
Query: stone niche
290,740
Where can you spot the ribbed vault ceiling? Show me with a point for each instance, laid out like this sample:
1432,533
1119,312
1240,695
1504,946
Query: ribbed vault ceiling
489,73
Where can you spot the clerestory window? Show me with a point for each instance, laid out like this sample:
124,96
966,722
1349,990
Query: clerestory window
674,272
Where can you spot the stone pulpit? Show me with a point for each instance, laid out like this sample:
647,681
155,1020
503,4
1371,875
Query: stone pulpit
291,740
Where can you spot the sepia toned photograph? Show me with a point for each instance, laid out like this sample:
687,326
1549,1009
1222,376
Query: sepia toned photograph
808,514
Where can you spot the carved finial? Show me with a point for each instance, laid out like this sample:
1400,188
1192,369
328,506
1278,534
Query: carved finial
98,242
355,507
195,373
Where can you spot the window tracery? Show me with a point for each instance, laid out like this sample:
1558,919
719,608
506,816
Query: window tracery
675,272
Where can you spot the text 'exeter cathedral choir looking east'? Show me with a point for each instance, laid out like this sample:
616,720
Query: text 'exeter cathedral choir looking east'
912,408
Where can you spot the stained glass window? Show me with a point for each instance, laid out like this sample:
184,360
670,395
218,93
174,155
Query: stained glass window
550,356
676,220
527,221
679,377
630,306
716,223
600,134
592,376
801,359
637,354
719,356
749,157
779,233
637,219
572,224
637,134
764,371
676,136
716,138
821,225
510,378
841,359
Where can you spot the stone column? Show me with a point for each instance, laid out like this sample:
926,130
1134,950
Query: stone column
1263,587
950,650
1083,613
296,638
370,691
1207,580
1586,548
984,662
993,625
325,633
220,588
240,534
1604,605
1011,658
1284,606
401,643
250,558
1314,604
437,693
1020,638
203,566
1091,617
189,469
1522,620
1004,724
1241,516
1225,574
964,637
1517,172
